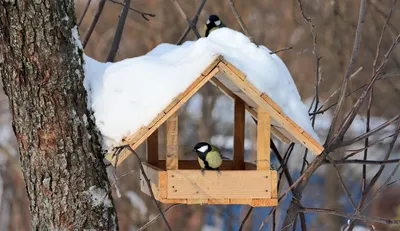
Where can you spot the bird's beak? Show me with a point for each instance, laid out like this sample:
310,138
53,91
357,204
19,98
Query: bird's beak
194,150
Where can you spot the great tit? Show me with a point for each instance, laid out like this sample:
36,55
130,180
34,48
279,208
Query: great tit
212,23
209,156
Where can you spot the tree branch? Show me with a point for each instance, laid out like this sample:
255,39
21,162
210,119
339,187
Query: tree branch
119,31
352,216
182,13
239,19
117,151
194,22
94,22
354,54
143,14
84,12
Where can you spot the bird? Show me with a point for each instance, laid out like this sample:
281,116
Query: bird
208,156
212,24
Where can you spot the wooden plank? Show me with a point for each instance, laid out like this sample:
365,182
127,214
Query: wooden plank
192,184
153,174
271,102
238,136
263,140
194,164
171,132
212,65
189,92
274,184
264,202
238,73
282,119
152,148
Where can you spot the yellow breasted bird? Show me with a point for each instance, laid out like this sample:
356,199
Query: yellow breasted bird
208,156
212,23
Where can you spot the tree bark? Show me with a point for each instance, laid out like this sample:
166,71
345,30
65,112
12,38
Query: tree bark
60,153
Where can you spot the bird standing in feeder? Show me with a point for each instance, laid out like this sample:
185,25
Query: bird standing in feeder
212,23
209,156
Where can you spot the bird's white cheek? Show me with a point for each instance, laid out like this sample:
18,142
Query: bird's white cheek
208,22
218,22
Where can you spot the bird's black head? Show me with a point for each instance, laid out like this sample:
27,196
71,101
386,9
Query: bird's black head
202,147
213,21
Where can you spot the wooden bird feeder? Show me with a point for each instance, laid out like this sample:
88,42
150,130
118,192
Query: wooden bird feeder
181,181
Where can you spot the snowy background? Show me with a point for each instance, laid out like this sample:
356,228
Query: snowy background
209,114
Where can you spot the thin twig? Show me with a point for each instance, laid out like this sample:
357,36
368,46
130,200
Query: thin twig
352,216
245,219
239,19
182,13
280,50
354,54
361,161
194,22
143,14
84,12
119,31
145,226
94,22
148,183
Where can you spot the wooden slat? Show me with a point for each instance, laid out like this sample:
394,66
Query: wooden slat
282,119
263,140
264,202
238,143
274,184
171,132
189,92
213,64
252,202
153,174
152,148
189,184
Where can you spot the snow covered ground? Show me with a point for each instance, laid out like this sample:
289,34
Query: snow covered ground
128,94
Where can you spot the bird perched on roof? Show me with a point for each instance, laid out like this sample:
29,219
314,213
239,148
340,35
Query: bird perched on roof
212,23
208,156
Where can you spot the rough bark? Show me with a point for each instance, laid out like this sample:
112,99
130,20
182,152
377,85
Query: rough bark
60,154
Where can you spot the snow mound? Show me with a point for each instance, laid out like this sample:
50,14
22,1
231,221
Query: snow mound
128,94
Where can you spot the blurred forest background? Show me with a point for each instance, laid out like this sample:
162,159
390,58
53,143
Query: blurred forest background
209,114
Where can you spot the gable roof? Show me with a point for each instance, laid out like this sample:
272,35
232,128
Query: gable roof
233,83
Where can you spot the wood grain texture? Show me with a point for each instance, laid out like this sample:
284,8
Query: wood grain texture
171,132
238,143
263,140
237,184
152,148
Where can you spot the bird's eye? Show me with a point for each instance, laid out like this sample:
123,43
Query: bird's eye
208,22
218,22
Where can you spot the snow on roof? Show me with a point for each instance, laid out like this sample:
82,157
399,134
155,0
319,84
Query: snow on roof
128,94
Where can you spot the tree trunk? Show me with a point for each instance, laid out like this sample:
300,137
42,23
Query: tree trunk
60,154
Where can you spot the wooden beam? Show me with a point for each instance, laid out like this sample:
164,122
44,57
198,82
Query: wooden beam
152,148
160,119
172,142
263,140
238,142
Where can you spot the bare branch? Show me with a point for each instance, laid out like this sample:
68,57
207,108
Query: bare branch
143,14
84,12
354,54
245,218
94,22
194,22
145,226
352,216
370,162
146,179
184,16
369,133
280,50
119,31
239,19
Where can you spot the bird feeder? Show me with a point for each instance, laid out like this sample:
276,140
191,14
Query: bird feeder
239,182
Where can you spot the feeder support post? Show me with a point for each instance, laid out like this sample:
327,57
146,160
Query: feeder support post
263,140
152,148
172,142
238,142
